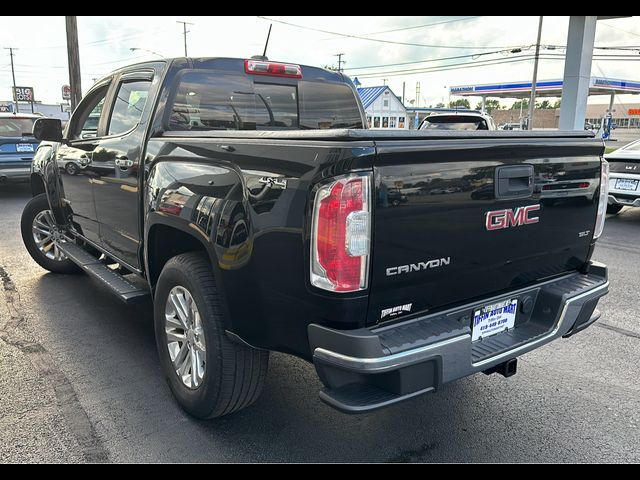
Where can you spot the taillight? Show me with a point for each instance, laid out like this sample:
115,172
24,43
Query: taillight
260,67
341,234
603,200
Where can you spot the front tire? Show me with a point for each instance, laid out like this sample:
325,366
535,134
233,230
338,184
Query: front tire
614,209
71,168
41,235
209,375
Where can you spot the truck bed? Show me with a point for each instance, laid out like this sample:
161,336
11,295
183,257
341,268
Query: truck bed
369,134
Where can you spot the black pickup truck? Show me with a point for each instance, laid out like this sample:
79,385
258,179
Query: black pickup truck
248,201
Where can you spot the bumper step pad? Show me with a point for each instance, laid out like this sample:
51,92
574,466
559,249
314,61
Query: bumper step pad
124,289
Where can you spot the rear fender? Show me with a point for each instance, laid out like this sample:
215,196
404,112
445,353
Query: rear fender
207,202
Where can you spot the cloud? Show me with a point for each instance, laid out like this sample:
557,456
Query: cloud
105,44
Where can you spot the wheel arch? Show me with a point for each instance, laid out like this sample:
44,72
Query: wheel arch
165,240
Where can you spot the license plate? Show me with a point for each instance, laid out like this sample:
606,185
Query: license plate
493,319
626,184
24,147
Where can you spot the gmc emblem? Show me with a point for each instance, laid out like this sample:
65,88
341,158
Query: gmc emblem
499,219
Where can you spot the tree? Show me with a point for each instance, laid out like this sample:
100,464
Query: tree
517,104
544,105
460,103
557,103
490,105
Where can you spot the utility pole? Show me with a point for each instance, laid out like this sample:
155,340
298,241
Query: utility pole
339,55
13,74
184,32
73,55
403,93
532,101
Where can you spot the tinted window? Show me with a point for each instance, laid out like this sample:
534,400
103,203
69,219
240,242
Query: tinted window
212,100
87,116
328,106
16,127
276,106
209,101
128,106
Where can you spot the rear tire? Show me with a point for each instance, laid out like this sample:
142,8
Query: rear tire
36,221
232,374
614,209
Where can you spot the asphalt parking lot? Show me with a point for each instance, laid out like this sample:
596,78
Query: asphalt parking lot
80,381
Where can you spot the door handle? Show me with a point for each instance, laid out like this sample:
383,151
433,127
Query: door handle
123,162
514,181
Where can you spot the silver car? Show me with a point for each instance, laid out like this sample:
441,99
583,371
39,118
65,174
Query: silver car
624,177
458,120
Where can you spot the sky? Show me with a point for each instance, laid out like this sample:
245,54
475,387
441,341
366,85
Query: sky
106,43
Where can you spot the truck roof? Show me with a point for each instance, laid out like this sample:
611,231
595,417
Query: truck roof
232,63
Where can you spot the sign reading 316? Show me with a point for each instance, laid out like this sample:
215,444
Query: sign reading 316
23,94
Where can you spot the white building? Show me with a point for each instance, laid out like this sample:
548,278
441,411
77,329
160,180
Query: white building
383,108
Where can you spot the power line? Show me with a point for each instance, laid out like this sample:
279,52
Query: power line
547,56
457,66
104,40
471,55
618,28
345,35
421,26
453,66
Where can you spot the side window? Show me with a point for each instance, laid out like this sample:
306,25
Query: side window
87,115
128,106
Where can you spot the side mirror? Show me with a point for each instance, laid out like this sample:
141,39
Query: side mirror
49,129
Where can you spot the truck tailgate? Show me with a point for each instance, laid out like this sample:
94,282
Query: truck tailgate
451,223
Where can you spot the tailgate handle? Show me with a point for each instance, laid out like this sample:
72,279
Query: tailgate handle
514,181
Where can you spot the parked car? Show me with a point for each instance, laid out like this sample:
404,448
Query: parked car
17,146
254,225
458,120
510,126
624,179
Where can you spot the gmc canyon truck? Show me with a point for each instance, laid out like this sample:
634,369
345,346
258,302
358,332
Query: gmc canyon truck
249,203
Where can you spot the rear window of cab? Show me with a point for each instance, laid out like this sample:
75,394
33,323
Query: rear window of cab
210,100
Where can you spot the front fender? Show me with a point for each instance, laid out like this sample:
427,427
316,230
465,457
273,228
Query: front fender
45,167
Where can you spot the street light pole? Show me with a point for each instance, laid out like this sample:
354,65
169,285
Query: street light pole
532,101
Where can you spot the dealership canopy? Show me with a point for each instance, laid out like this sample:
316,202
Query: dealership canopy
545,88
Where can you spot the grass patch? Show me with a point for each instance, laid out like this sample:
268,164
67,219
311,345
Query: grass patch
610,149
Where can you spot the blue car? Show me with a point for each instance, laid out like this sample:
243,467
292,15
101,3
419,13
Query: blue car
17,146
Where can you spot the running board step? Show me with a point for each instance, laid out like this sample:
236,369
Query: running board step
119,285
